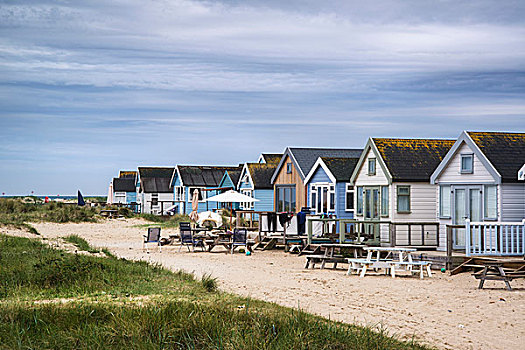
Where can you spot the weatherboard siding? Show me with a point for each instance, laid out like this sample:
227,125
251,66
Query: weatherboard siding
265,198
422,202
294,178
363,179
131,197
512,202
340,201
452,172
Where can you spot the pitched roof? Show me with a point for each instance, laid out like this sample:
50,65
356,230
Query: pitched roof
412,159
261,174
271,158
127,174
156,179
504,150
306,157
207,176
341,168
235,174
123,184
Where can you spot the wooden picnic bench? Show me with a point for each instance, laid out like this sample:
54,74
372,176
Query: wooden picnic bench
496,272
329,255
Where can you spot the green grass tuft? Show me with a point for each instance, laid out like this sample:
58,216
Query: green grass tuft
209,283
81,243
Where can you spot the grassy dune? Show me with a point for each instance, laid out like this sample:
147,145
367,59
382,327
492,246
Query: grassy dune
54,299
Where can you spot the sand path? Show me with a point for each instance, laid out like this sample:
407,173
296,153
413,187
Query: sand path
444,311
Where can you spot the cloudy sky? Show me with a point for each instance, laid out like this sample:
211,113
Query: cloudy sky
91,87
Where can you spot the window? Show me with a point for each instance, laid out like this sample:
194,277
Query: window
359,200
285,198
371,166
444,201
202,194
120,197
247,205
491,202
154,199
179,194
288,168
313,196
403,199
467,163
331,195
384,200
349,198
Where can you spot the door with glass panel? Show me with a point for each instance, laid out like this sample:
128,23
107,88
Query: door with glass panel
371,210
467,205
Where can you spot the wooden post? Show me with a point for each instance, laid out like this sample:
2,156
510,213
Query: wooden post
422,234
393,239
409,235
467,238
449,247
341,232
260,227
309,231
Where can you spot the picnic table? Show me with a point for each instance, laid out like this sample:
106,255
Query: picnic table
219,238
109,213
330,256
384,260
496,272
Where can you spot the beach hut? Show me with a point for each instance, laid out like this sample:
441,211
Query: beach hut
392,184
328,187
125,187
255,182
478,181
206,179
288,178
229,182
155,193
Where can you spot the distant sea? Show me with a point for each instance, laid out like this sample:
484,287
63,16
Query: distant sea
50,197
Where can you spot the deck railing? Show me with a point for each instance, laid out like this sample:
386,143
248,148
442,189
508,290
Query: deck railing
495,238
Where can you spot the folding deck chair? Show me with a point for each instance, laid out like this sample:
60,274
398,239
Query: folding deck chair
153,236
240,237
186,238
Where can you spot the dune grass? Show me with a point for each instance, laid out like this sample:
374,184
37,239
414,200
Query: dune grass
119,304
171,221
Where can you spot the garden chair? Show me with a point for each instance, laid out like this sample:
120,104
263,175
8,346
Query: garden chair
239,238
153,236
187,239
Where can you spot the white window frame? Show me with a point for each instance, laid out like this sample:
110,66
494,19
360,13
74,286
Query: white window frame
247,205
201,191
349,189
120,194
372,161
330,190
466,171
445,188
156,197
384,211
485,217
179,194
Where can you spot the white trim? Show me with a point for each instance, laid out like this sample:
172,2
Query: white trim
464,137
353,190
320,162
178,174
370,145
245,168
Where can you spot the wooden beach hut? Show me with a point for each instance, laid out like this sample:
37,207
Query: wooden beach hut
329,189
290,192
155,193
478,181
392,186
204,179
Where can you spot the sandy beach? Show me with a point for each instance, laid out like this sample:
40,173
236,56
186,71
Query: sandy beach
448,312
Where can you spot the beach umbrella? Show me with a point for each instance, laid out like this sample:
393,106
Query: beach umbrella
194,215
232,196
110,194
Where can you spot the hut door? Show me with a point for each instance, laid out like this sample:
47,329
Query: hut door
467,205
